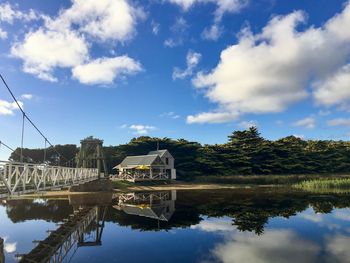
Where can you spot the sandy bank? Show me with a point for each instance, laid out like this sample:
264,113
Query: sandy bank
136,188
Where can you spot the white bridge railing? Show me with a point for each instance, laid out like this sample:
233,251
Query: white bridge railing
24,177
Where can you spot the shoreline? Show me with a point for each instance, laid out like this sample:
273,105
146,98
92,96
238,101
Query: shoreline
140,188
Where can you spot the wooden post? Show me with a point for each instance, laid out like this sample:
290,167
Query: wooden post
98,149
2,255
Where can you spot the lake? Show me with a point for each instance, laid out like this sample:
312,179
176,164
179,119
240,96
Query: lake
243,225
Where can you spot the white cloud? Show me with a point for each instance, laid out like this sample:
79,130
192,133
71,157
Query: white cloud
64,41
9,247
247,124
192,60
338,247
339,122
212,33
178,30
222,6
9,13
170,114
43,50
308,123
342,214
3,34
140,129
103,19
27,96
9,108
155,27
105,70
212,117
272,246
313,217
324,112
223,224
267,72
335,90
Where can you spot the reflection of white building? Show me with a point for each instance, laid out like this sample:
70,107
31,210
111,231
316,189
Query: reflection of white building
159,205
156,165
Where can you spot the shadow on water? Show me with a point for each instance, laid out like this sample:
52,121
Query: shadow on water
80,217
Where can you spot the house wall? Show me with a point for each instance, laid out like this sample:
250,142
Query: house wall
171,159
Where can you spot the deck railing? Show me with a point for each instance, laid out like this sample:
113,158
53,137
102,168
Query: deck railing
127,176
24,177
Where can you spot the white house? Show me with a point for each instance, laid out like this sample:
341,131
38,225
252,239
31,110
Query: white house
168,160
156,165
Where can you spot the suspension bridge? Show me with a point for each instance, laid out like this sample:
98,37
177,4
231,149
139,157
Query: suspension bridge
25,176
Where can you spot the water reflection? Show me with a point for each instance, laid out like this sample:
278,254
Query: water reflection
2,255
266,225
158,205
69,236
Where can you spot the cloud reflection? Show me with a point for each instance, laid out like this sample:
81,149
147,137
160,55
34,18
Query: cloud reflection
273,246
9,247
338,248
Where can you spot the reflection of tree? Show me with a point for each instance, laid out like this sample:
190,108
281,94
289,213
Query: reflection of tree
250,221
50,210
250,209
324,207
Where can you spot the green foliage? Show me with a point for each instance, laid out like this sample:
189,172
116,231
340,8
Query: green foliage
339,183
68,152
245,153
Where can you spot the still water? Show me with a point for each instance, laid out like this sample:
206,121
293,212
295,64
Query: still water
266,225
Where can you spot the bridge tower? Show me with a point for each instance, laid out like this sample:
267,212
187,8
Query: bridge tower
91,151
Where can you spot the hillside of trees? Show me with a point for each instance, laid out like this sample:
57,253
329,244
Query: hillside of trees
245,153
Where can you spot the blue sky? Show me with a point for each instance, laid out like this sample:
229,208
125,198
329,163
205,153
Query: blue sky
194,69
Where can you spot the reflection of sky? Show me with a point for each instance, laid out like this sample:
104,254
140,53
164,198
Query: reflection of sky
18,237
305,237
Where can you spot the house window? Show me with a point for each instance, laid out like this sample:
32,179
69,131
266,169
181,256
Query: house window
167,161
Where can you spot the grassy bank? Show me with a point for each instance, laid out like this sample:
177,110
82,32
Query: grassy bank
325,185
297,181
266,179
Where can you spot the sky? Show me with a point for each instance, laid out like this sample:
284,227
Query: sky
193,69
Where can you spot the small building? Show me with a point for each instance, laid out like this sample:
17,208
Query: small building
156,165
168,160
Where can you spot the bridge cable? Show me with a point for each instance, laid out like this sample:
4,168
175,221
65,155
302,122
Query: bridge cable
8,147
25,116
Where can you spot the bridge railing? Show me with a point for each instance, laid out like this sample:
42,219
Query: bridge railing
25,177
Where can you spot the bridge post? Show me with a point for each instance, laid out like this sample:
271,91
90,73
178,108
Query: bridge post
92,149
2,255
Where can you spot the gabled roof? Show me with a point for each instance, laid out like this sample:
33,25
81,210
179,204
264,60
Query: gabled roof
159,152
157,212
150,159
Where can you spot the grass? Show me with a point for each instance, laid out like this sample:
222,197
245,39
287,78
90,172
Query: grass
267,179
325,184
121,185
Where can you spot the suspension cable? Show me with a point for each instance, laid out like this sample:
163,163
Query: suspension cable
14,152
25,116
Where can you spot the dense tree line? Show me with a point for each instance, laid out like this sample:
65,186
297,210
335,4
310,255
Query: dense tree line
245,153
